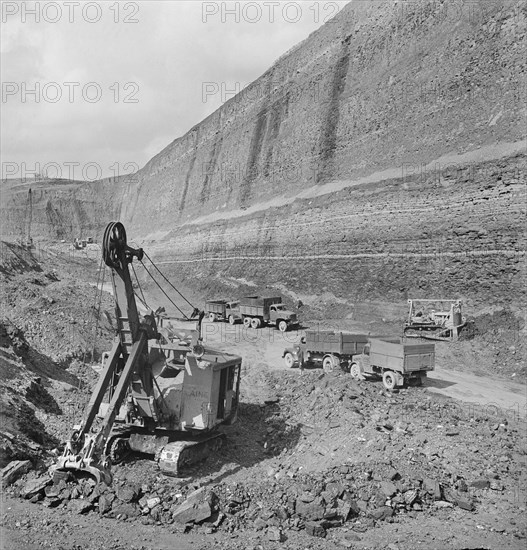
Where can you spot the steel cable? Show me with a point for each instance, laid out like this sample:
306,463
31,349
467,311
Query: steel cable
162,275
163,291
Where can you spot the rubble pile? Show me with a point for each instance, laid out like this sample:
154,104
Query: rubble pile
361,421
60,317
336,454
312,455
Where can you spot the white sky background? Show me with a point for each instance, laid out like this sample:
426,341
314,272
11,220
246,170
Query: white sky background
173,48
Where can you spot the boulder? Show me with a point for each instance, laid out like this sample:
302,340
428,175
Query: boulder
466,503
315,529
52,491
105,504
35,486
388,488
463,500
392,473
410,496
189,512
153,502
79,506
14,470
310,510
196,508
275,534
344,509
382,512
127,493
433,488
334,489
125,509
480,484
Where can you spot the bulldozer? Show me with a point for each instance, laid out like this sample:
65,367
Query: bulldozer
159,392
434,319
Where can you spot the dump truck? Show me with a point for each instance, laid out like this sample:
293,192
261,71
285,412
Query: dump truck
221,310
257,311
395,360
331,349
159,393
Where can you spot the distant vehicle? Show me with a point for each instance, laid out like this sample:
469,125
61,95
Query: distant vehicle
79,244
435,319
331,349
397,362
257,311
221,310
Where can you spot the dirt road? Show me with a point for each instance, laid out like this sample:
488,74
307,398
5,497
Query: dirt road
263,349
497,397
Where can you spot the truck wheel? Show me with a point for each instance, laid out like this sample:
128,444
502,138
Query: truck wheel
388,379
289,360
247,322
327,365
232,320
255,323
355,370
212,317
282,326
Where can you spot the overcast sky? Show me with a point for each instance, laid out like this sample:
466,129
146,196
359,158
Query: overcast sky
107,84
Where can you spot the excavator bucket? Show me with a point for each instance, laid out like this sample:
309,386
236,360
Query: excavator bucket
98,473
81,463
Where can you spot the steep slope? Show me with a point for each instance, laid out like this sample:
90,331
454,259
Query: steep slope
383,157
385,86
60,208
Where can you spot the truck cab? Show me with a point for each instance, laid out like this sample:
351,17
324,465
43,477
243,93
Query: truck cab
278,313
256,311
232,312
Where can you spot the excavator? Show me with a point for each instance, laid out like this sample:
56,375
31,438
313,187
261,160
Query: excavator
157,393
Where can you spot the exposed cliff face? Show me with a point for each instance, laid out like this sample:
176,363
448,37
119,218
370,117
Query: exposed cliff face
384,86
390,239
58,209
383,157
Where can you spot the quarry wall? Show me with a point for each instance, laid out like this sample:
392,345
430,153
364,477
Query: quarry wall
382,156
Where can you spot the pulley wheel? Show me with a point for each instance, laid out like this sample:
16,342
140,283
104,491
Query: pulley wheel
114,244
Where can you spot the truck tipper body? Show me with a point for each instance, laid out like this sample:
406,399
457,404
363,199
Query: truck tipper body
257,311
331,349
222,310
396,361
